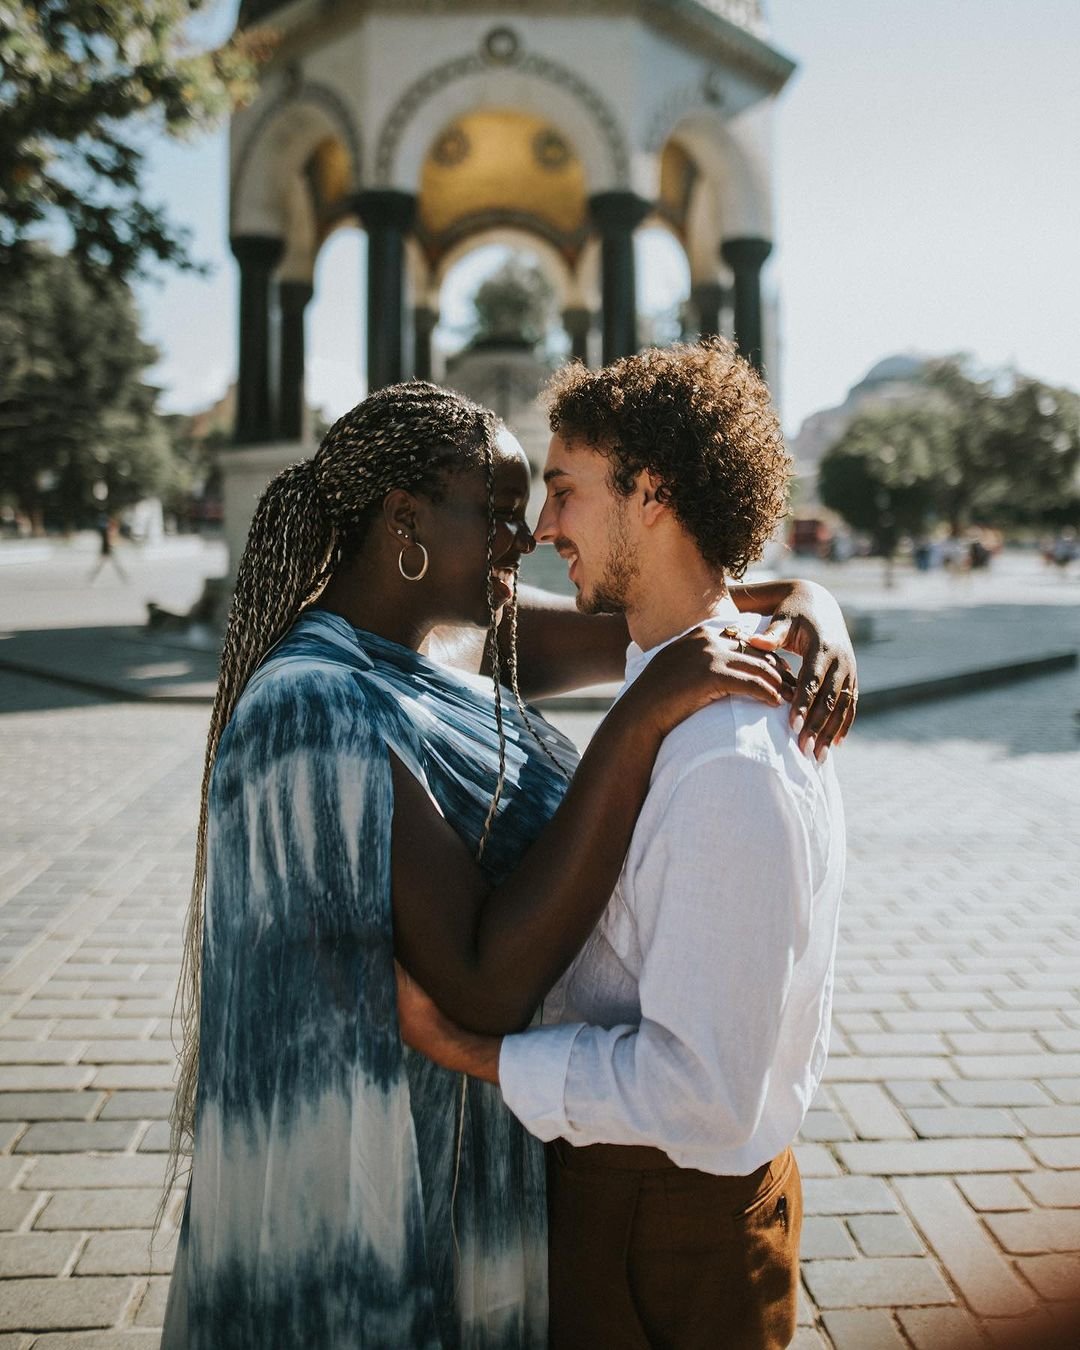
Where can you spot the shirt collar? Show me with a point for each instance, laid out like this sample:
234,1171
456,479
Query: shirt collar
725,615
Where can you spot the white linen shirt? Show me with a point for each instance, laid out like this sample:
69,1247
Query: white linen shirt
696,1017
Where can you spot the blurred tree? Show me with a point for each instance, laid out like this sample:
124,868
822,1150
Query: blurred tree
963,449
82,83
515,304
886,475
78,426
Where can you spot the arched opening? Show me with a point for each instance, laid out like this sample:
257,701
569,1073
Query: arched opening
337,345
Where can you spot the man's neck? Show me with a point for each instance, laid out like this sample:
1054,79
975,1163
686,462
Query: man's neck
671,601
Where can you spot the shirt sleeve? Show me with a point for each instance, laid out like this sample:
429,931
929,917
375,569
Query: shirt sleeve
722,894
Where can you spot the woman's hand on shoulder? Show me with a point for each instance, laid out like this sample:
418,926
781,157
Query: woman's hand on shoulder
810,624
698,669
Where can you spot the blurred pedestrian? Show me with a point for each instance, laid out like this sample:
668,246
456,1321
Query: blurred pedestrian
106,529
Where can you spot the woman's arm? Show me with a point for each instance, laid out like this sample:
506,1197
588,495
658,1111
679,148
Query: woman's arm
488,955
560,649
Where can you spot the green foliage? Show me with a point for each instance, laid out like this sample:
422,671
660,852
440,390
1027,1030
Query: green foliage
961,449
514,304
885,474
75,412
82,82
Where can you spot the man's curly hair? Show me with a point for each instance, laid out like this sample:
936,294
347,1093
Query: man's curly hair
697,417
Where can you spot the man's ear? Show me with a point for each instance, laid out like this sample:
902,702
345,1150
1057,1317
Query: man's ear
653,507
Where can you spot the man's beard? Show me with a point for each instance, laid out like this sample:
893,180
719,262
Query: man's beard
611,594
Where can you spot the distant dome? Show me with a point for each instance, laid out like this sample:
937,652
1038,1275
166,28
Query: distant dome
893,370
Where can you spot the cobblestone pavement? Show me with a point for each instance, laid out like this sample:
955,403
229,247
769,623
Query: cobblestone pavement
941,1159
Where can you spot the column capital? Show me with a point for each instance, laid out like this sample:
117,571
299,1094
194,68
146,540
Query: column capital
386,208
295,295
745,254
710,293
263,251
618,210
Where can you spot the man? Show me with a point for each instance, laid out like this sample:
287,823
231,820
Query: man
682,1048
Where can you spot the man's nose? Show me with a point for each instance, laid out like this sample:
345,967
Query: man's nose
545,530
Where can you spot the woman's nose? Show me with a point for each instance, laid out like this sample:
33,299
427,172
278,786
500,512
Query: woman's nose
524,539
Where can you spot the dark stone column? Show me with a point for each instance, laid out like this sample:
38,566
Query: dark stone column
258,255
293,297
425,320
616,215
387,215
746,257
578,324
707,298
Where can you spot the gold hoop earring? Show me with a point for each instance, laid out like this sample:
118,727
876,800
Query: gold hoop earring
401,563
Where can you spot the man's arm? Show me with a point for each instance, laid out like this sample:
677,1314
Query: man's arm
725,917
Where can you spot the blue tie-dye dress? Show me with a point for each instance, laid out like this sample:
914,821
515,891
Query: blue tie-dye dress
319,1207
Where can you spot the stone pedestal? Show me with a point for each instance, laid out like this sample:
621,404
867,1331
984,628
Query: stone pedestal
245,473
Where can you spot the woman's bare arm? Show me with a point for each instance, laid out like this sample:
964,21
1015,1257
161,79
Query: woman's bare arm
488,955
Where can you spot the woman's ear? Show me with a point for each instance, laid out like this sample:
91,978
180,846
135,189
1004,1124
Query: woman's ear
399,514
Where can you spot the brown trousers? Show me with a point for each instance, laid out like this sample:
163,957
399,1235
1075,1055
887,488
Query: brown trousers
645,1255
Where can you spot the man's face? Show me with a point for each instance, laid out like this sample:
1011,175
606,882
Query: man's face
591,526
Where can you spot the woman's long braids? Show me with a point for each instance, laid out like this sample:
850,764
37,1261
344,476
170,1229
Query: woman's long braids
311,516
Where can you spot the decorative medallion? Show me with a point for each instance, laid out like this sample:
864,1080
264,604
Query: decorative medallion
551,151
502,45
451,148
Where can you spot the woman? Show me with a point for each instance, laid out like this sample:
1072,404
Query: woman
345,1192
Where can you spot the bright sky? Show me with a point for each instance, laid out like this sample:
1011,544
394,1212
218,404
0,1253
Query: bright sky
929,200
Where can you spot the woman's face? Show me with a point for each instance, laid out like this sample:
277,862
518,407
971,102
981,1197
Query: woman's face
456,535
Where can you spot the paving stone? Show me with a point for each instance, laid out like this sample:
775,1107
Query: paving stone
1054,1277
32,1106
883,1282
66,1007
863,1329
899,1043
45,1305
975,1266
25,1029
152,1308
67,1136
871,1112
44,1077
1017,1019
158,1139
1052,1120
79,1171
12,1170
994,1043
992,1191
824,1126
127,1253
102,1029
1008,1092
1058,1153
936,1020
1016,1066
100,1209
823,1237
814,1158
1037,1230
914,1093
847,1195
137,1106
862,1069
1064,1089
15,1207
1056,1189
904,1158
24,1254
936,1328
135,1076
885,1235
39,1052
125,1338
808,1338
950,1122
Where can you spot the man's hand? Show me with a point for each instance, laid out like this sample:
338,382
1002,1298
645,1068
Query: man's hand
427,1029
810,624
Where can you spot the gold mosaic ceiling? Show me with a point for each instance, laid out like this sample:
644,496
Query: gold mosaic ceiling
502,167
